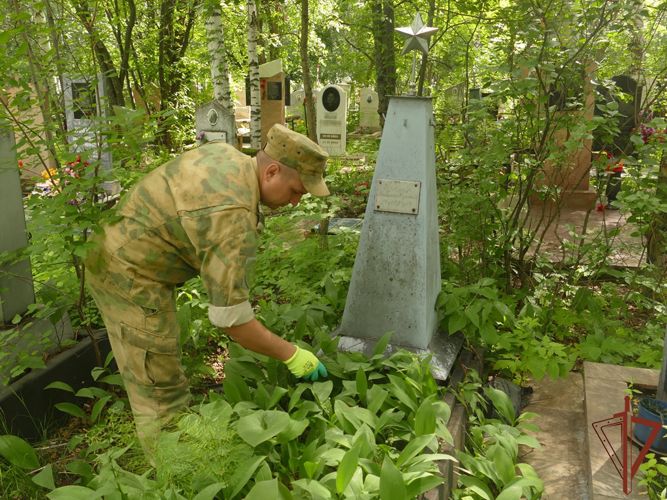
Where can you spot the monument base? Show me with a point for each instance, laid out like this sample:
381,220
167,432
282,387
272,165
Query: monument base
578,199
443,349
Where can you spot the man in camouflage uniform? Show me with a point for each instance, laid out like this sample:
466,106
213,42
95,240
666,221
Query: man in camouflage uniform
196,214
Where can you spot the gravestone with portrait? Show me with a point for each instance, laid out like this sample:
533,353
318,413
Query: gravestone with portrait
332,120
84,109
214,123
369,118
396,275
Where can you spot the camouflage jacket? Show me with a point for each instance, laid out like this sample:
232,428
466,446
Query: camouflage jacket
196,214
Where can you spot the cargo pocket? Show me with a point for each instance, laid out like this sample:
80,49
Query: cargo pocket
155,359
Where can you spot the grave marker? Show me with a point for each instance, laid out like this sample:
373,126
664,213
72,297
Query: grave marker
83,108
396,275
214,123
332,120
369,118
16,286
272,90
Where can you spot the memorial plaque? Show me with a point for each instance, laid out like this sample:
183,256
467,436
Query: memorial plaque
401,197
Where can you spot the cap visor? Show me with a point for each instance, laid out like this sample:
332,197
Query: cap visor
315,186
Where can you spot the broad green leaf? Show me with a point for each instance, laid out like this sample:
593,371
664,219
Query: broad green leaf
91,392
530,441
504,464
294,429
477,486
18,452
73,492
501,402
399,390
60,385
44,478
422,485
513,492
113,379
261,426
346,468
295,398
392,485
376,397
271,489
97,408
209,492
425,419
71,409
314,488
456,322
322,390
415,446
381,345
81,468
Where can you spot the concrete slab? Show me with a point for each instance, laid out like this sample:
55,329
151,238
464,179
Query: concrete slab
561,461
605,389
562,232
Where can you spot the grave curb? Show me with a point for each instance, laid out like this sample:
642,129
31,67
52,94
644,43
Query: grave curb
27,410
458,423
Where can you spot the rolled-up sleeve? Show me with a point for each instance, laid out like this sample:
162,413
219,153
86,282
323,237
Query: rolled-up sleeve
225,241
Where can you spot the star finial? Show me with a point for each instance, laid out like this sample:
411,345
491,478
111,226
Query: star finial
417,35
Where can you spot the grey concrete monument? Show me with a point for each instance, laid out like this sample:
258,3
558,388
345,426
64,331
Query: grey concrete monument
16,287
369,118
331,112
31,334
214,123
396,275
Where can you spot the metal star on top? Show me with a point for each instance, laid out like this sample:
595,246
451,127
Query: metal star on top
417,35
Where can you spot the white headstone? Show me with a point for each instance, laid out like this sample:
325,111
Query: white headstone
214,123
332,119
83,109
369,119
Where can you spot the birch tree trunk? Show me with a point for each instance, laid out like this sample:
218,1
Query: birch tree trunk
215,35
305,68
253,69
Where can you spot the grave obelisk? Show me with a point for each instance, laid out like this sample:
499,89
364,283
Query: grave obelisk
396,275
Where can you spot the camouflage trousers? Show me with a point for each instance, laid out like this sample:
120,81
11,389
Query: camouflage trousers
145,344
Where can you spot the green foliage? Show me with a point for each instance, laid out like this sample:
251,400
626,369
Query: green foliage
490,465
654,476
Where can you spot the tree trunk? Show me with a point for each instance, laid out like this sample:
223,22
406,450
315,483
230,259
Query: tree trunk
253,67
385,55
305,68
176,21
216,48
113,84
424,64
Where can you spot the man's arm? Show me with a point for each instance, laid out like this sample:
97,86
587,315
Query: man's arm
255,336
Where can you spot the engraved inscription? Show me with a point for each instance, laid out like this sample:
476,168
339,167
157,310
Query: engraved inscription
400,197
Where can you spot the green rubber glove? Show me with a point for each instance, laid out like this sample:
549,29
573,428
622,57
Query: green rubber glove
305,364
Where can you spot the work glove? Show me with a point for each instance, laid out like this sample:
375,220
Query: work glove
305,364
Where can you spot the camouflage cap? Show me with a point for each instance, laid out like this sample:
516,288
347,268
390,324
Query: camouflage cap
300,153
